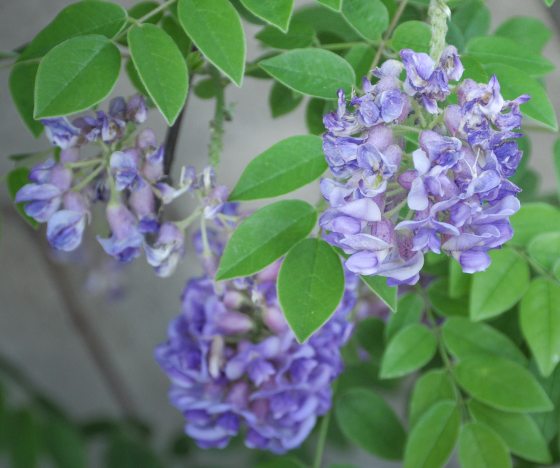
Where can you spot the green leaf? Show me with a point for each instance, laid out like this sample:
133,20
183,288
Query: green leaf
556,156
124,452
314,72
142,9
481,447
299,35
284,167
79,19
65,444
549,3
378,285
328,24
432,439
161,68
282,100
409,310
370,423
438,293
515,83
314,116
335,5
23,439
369,18
465,339
431,388
459,282
76,75
22,89
225,46
548,422
472,19
410,349
206,89
539,316
360,57
412,35
502,384
15,180
534,219
500,287
134,78
519,431
495,49
310,286
275,12
170,25
545,249
369,334
530,33
265,236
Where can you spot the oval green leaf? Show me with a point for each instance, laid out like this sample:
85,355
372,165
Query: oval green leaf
518,431
481,447
500,287
282,100
431,441
284,167
495,49
414,35
545,249
76,75
65,444
161,68
225,46
22,90
465,339
378,285
369,422
501,384
275,12
360,57
409,310
531,33
431,388
539,315
409,350
314,72
299,35
310,286
265,236
534,219
369,18
335,5
79,19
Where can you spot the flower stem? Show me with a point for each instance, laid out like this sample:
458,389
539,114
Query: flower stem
86,163
438,13
322,441
217,125
144,18
387,36
92,175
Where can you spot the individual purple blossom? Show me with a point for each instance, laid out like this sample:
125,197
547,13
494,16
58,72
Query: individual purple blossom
167,250
41,200
61,132
65,228
126,241
125,168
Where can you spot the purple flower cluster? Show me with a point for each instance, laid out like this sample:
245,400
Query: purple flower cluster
236,367
390,204
106,158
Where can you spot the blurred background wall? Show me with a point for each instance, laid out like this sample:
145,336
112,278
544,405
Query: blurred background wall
38,333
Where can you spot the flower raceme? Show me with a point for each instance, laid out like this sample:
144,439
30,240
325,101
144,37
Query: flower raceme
393,197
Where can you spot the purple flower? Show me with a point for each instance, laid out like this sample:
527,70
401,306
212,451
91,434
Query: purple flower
167,249
41,200
124,166
271,388
126,240
65,229
61,132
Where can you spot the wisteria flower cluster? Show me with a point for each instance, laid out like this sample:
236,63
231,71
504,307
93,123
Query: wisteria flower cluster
450,194
236,367
124,170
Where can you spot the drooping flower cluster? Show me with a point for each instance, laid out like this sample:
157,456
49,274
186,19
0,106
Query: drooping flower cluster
395,197
236,367
106,158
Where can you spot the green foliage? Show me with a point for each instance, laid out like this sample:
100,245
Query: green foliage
284,167
276,12
409,310
282,100
502,384
15,180
310,286
534,219
23,438
414,35
360,57
65,444
531,33
500,287
378,285
299,35
314,72
481,447
544,249
432,439
369,422
410,349
161,68
225,47
76,75
432,387
443,304
265,236
539,316
22,89
369,18
335,5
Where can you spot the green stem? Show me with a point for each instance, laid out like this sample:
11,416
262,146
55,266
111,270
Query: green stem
143,19
322,441
92,175
539,269
185,223
396,209
80,164
438,13
387,36
217,126
344,45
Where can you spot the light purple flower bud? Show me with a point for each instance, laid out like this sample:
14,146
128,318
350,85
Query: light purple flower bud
60,132
126,240
164,255
65,229
136,110
143,204
42,201
69,155
41,173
